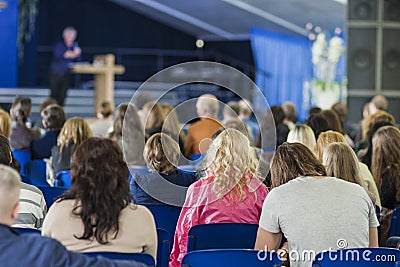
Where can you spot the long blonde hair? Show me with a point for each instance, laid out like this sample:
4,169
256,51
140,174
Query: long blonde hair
5,123
326,138
230,161
302,133
340,161
75,131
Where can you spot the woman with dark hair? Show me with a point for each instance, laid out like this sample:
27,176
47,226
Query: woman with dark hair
96,214
21,136
318,123
312,210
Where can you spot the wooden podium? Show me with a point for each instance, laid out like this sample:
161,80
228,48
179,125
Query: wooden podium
104,70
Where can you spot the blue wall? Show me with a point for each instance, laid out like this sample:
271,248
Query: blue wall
8,44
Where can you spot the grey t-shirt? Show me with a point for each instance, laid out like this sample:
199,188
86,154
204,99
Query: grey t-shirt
317,214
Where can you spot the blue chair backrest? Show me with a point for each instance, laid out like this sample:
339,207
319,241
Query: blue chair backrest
63,179
51,193
140,257
166,217
395,223
27,230
230,258
22,156
164,247
187,168
36,170
222,236
357,257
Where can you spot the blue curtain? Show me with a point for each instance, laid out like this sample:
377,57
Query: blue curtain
285,64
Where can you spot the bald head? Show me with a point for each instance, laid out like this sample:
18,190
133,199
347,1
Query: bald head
10,185
207,106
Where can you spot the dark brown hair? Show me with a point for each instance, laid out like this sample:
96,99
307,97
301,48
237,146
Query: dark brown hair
54,117
21,109
333,120
385,157
99,178
292,160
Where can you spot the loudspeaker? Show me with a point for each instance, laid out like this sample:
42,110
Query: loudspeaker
373,45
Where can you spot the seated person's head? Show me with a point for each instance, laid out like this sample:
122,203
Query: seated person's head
10,185
292,160
161,153
237,124
153,116
99,177
290,111
5,123
318,123
245,109
326,138
207,106
21,109
53,117
231,110
230,159
47,102
75,131
105,110
302,133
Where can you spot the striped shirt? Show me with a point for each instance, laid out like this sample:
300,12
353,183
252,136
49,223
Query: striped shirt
32,207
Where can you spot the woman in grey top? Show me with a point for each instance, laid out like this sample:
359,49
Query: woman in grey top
313,211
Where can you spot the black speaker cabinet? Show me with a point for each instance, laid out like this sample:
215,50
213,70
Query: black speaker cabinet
373,45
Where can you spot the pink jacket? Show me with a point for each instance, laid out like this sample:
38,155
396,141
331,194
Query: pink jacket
202,207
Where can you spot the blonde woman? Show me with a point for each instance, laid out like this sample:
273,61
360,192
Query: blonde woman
172,124
73,133
302,133
329,137
341,162
231,191
5,123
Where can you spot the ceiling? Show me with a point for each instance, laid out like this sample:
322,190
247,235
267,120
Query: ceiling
232,19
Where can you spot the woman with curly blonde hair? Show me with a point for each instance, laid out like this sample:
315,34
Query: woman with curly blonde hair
73,133
231,191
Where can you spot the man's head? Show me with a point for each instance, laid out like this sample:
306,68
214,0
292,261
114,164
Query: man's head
69,35
10,185
207,106
290,110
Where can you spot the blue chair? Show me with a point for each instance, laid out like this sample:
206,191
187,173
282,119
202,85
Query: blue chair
163,248
187,168
140,257
166,217
63,179
353,257
395,223
222,236
36,170
230,258
51,193
27,230
22,156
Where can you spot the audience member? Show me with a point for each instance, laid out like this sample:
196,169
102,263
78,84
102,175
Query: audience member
385,168
73,133
341,162
161,154
313,200
230,111
34,250
302,133
245,112
329,137
314,110
21,135
53,118
378,102
96,213
290,111
101,126
172,124
341,110
153,119
333,120
199,133
274,123
32,206
5,123
230,192
318,123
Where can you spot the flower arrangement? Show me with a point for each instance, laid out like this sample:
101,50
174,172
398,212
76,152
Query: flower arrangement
325,88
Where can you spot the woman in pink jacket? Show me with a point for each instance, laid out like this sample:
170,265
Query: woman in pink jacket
230,192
